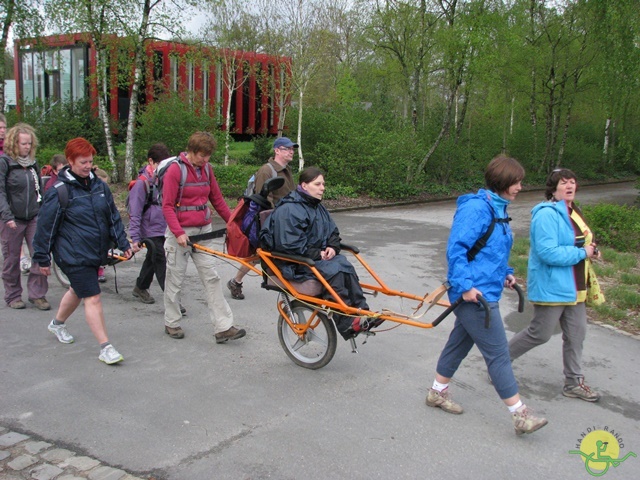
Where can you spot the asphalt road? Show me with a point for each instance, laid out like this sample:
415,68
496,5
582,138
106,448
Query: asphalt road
191,409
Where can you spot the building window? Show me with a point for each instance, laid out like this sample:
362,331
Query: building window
78,72
173,79
191,76
219,88
205,83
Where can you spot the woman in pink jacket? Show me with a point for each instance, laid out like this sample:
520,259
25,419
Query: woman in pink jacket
186,210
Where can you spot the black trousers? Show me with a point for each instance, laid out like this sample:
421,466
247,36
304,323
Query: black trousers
348,288
154,263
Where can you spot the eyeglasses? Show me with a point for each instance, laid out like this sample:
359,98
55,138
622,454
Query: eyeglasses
288,149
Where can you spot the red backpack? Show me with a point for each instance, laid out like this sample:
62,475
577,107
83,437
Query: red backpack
237,242
244,225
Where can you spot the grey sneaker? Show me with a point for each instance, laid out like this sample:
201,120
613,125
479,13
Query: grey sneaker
143,295
110,355
443,400
581,391
60,331
232,334
525,422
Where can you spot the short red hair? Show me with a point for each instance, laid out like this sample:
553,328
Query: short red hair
78,147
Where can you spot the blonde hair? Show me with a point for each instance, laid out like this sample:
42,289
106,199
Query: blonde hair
13,135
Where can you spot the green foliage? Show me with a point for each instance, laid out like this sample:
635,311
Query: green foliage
337,191
58,123
355,148
171,120
233,178
617,226
262,150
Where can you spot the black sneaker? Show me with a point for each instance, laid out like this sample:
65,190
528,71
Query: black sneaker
236,289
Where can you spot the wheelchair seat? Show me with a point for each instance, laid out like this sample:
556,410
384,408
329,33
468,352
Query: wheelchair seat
311,287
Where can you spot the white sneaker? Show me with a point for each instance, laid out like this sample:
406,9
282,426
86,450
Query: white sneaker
60,331
110,355
25,265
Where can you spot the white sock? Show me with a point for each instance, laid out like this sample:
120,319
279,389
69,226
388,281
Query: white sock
439,386
516,406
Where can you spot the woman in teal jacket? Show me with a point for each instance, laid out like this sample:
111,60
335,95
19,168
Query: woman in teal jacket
561,243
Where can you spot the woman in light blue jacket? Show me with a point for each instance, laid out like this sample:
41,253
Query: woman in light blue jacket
561,243
475,271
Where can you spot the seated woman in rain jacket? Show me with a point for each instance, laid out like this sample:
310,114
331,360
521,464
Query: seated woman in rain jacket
301,225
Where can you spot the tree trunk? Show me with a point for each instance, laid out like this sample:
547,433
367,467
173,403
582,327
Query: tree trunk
227,124
131,121
103,112
8,20
565,133
605,148
138,72
299,140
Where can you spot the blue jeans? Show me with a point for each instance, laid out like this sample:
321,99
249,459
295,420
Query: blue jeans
492,343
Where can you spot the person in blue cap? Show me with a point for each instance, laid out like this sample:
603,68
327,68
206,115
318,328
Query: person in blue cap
276,166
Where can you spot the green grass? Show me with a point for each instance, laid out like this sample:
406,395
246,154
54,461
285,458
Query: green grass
520,257
610,314
621,261
630,278
604,270
623,296
520,247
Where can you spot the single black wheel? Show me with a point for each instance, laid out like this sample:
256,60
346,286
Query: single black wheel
62,278
316,347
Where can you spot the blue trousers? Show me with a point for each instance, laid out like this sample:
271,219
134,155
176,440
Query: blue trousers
492,343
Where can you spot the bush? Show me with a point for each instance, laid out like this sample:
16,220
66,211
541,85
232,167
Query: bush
617,226
357,149
59,123
262,150
171,120
233,178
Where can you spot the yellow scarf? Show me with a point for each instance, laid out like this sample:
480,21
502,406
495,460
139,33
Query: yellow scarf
588,240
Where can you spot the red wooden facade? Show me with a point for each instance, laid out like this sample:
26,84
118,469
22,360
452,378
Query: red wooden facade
63,67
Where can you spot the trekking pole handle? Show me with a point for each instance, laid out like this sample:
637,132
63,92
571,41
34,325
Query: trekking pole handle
518,289
487,311
454,305
449,309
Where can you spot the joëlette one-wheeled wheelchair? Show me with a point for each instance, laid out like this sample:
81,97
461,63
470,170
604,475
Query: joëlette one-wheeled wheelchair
306,330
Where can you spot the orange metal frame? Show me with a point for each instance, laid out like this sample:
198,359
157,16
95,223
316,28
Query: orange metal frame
337,304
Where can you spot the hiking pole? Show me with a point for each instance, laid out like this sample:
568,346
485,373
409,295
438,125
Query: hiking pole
487,313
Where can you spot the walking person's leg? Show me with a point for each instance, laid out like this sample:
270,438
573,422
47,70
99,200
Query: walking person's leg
11,247
177,258
574,330
544,321
145,277
37,283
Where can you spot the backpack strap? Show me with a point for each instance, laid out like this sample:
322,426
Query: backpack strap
274,174
482,241
63,195
183,183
